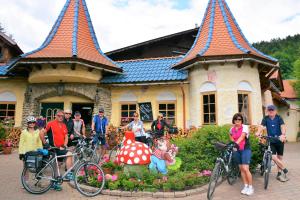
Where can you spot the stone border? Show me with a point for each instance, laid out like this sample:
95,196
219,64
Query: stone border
176,194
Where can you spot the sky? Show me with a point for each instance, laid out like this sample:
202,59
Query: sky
120,23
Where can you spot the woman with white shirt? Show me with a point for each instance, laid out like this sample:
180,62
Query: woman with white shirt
137,128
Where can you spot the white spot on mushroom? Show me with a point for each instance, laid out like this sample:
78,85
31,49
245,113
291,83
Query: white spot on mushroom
145,146
129,142
131,154
146,151
139,152
140,145
133,148
136,160
144,157
129,162
122,159
127,147
125,152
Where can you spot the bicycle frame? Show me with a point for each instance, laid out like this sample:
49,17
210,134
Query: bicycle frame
223,161
55,159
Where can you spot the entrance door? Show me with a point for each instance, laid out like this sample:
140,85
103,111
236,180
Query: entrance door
48,110
86,110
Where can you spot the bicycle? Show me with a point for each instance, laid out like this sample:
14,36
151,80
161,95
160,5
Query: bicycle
224,166
89,178
266,163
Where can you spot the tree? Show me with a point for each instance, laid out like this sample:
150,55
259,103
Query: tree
297,76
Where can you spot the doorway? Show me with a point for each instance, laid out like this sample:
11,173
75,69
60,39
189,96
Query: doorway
48,110
86,110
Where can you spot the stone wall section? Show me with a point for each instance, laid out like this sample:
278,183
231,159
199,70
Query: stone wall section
101,96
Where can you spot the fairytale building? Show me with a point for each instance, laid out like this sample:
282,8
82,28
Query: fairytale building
193,81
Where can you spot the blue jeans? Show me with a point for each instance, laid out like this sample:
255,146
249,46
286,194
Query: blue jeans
99,139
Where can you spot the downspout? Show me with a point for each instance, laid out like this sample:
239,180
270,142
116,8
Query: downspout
183,104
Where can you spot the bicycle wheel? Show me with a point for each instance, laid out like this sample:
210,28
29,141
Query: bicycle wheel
89,179
114,152
267,167
214,180
233,173
38,182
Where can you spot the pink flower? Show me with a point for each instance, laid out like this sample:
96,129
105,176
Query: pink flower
114,177
99,178
206,173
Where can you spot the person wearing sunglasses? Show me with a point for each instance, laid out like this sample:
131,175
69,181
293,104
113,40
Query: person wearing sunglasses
30,139
275,128
58,137
239,134
158,125
70,126
137,128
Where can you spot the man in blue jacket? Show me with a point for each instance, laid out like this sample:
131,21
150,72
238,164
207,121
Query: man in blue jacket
99,129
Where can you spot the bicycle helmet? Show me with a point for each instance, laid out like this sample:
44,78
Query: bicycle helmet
30,119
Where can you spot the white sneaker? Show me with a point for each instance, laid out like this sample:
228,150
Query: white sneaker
244,190
250,191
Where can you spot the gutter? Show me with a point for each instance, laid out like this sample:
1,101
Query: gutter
146,84
183,104
67,62
230,61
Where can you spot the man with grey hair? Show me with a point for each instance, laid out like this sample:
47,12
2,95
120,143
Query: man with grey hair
275,128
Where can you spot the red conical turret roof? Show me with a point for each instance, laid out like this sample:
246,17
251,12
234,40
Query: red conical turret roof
73,36
220,36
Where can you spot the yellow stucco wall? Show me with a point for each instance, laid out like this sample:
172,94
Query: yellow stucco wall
226,79
291,118
67,100
65,74
18,87
148,94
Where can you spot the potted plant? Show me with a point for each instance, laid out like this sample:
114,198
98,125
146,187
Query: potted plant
108,167
2,134
7,147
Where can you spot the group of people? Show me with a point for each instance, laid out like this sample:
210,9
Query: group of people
239,134
63,130
60,133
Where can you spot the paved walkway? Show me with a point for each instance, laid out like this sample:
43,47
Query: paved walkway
10,186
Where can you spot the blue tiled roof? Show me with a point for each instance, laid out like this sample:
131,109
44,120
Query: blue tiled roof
3,70
148,70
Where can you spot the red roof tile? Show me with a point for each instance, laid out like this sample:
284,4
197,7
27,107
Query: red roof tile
220,35
72,36
289,91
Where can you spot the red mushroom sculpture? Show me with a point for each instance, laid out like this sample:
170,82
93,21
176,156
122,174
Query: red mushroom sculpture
133,152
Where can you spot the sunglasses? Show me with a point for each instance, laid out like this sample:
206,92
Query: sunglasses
238,119
31,122
270,110
68,113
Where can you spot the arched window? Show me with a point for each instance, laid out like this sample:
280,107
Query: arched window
167,106
244,92
128,107
208,94
7,105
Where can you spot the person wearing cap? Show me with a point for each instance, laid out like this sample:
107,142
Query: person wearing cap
30,138
99,129
70,126
275,128
79,126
